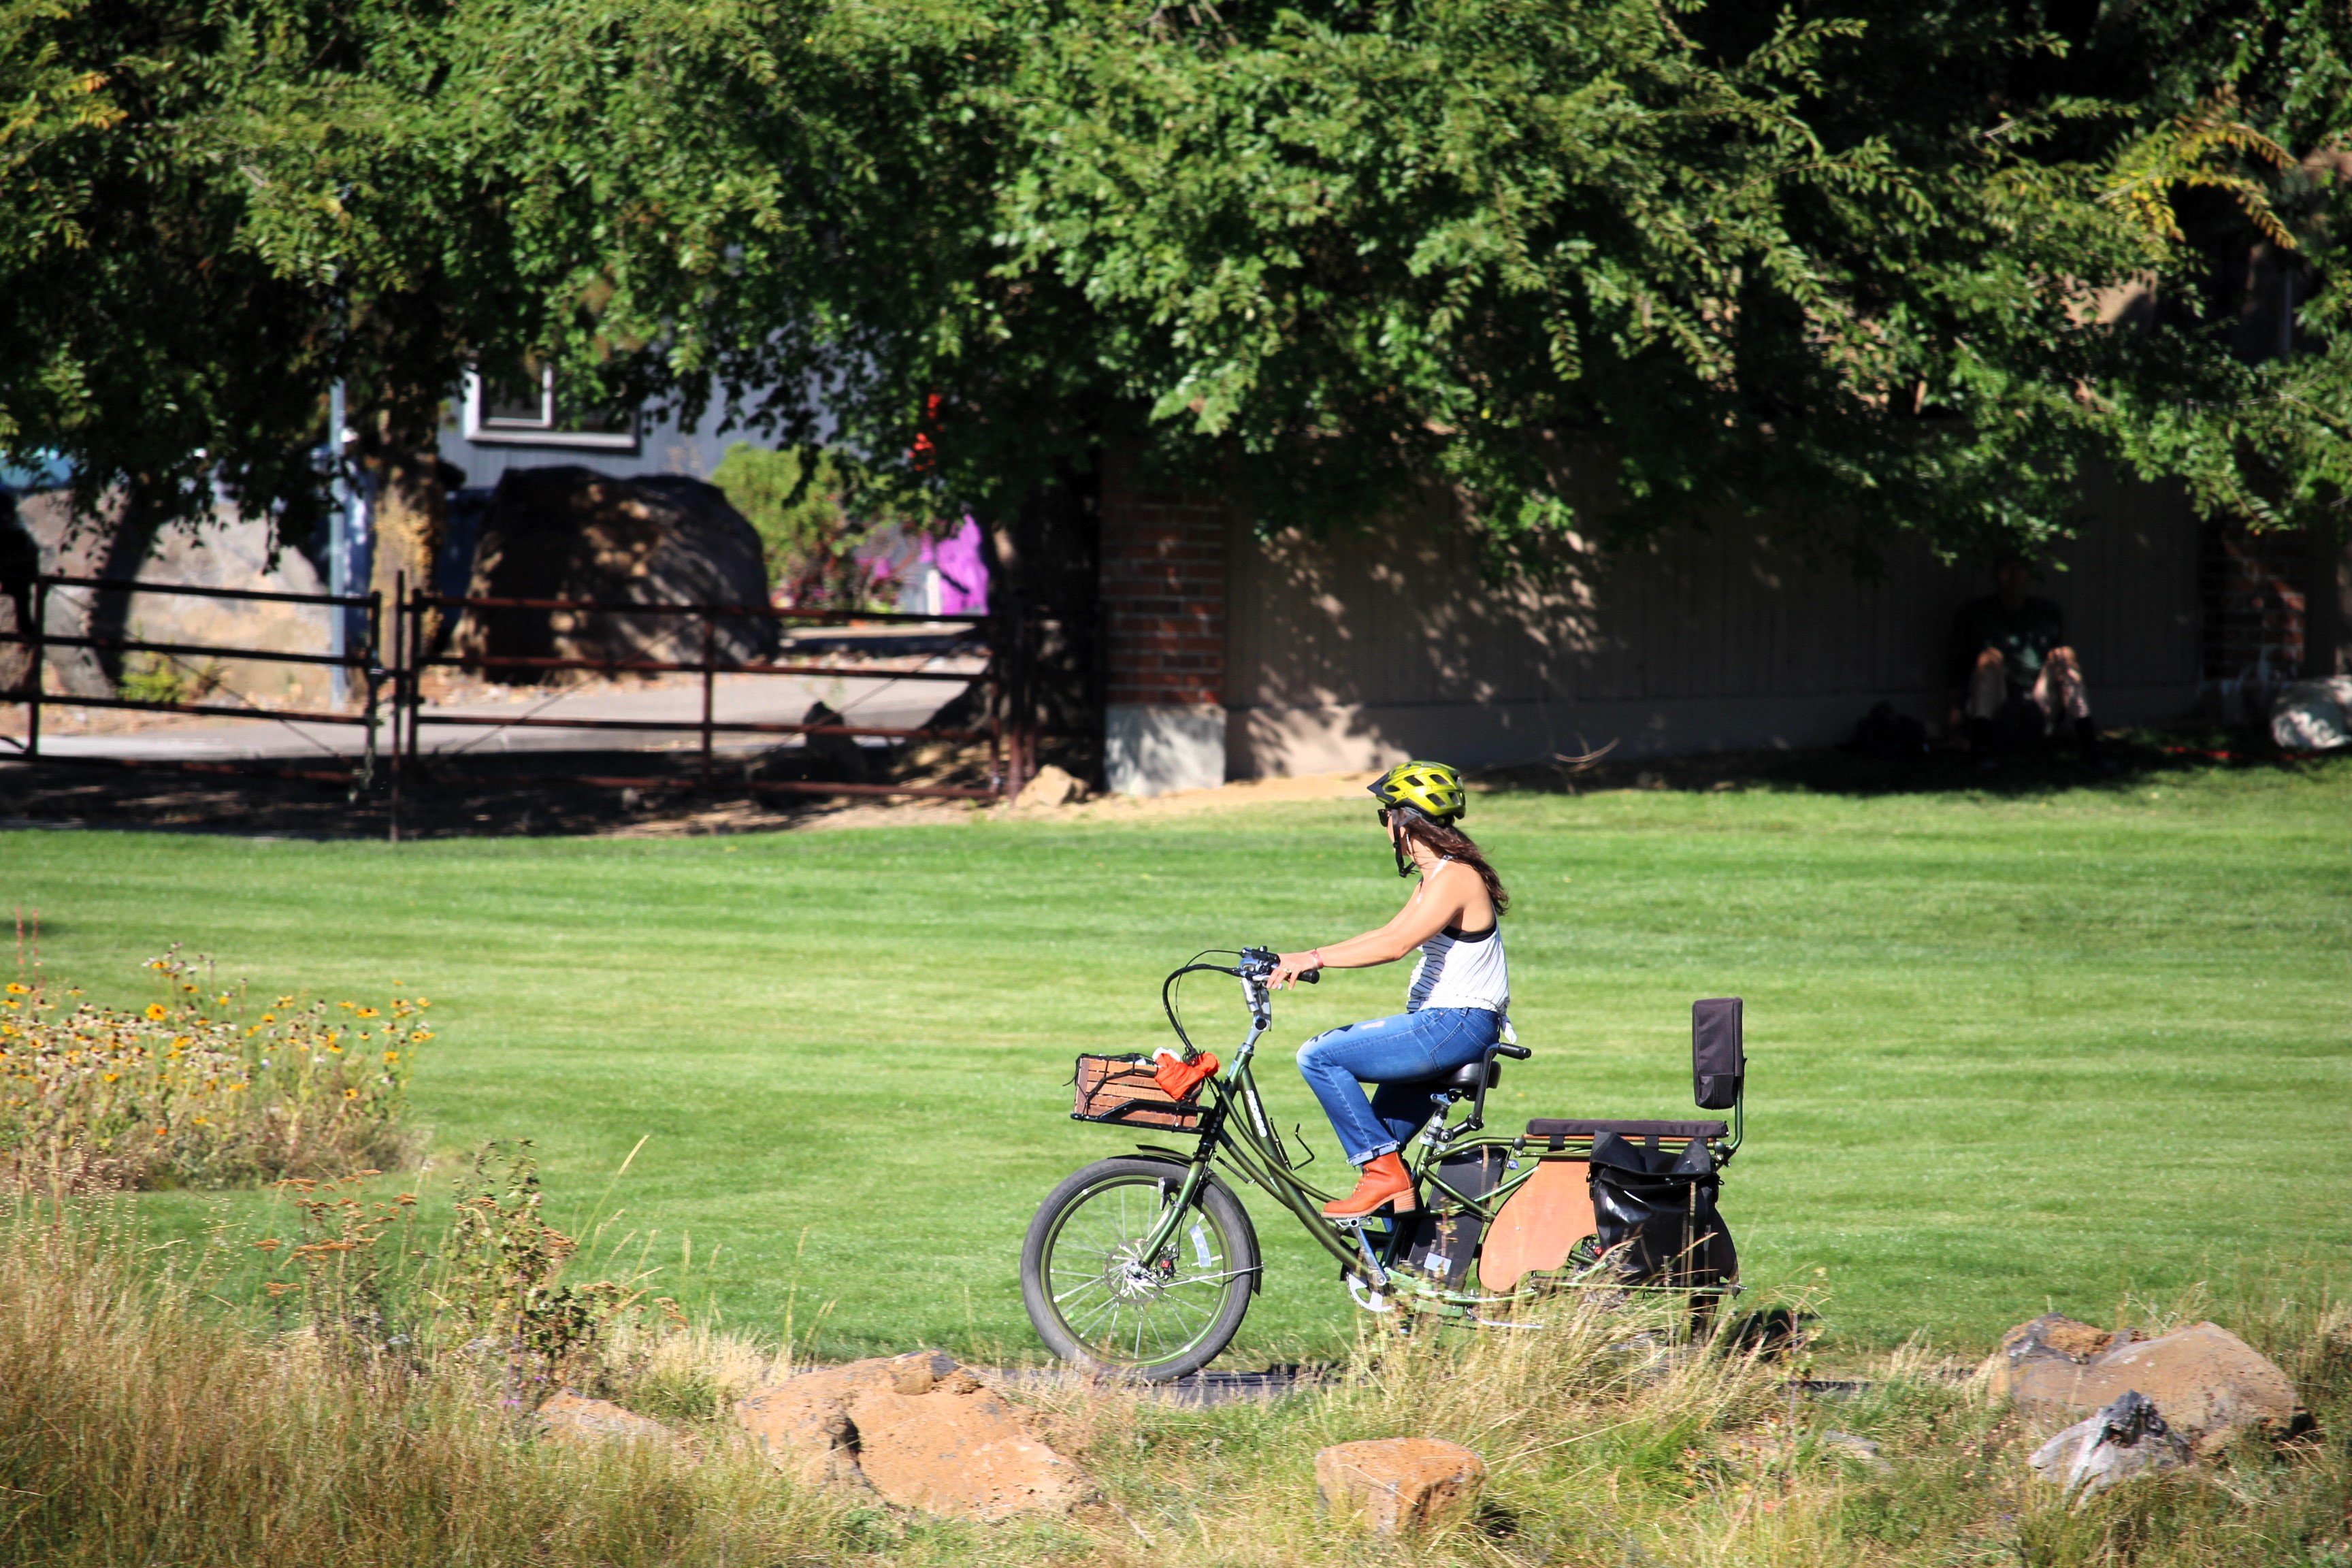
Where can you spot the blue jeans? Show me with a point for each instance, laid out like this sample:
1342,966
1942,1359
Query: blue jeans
1392,1053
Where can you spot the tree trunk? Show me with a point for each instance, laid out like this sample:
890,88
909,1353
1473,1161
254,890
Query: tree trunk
136,529
400,453
1045,588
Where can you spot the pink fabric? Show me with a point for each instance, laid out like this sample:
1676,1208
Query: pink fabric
963,575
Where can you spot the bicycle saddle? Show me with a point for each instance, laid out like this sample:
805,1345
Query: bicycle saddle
1464,1080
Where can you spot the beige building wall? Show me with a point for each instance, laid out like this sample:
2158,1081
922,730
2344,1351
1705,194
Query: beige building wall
1359,652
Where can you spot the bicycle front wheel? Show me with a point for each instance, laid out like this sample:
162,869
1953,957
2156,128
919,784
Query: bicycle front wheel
1099,1301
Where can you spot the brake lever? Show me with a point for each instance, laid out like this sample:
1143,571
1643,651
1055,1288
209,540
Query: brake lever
1264,962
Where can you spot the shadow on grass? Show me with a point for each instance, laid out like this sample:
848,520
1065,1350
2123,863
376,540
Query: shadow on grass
2130,759
544,795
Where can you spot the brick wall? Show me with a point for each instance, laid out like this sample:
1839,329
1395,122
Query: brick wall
2255,602
1164,596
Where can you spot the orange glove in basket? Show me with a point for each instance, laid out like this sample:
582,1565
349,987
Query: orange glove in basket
1178,1078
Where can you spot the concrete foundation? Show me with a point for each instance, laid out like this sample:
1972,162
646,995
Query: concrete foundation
1154,749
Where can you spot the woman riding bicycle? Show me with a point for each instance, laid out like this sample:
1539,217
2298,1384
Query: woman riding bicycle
1455,1004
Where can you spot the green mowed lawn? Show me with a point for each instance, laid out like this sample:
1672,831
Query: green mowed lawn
2007,1053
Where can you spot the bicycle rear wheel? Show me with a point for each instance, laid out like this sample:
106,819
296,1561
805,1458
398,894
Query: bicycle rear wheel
1097,1301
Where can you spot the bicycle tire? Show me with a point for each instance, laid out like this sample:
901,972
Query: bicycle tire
1113,1312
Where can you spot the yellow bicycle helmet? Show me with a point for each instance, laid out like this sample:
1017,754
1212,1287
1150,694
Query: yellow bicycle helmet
1432,789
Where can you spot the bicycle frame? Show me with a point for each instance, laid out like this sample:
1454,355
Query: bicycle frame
1236,1130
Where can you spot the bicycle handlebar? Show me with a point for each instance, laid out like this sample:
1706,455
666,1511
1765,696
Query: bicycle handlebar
1517,1053
1257,962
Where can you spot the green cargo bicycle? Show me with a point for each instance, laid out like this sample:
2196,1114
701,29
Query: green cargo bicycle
1145,1264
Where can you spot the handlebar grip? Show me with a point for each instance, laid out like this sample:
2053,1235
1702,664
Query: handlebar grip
1517,1053
1312,976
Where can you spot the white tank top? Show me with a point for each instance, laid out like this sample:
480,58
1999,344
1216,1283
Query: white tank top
1457,970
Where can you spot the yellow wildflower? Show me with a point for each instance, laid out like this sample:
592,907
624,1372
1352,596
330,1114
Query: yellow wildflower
16,990
350,1094
156,1011
367,1012
269,1017
422,1034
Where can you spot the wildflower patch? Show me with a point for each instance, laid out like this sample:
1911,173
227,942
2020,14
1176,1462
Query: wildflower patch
204,1088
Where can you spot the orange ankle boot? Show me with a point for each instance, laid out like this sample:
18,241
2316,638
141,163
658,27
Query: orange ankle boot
1384,1182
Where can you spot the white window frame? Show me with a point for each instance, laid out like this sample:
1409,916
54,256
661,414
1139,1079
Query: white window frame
503,433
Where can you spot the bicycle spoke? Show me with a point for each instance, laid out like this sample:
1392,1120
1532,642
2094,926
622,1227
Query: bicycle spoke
1122,1307
1083,1285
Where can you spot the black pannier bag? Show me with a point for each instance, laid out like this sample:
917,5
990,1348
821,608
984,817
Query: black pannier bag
1718,1053
1658,1205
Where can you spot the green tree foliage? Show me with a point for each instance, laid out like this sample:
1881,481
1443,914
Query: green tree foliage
799,502
1599,264
137,335
211,211
1591,263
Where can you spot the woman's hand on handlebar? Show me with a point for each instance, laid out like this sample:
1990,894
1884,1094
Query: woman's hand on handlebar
1290,968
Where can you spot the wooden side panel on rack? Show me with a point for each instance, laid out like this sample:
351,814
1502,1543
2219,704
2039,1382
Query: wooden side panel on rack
1539,1225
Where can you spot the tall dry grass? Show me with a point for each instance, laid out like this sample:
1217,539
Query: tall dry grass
136,1428
141,1421
1610,1445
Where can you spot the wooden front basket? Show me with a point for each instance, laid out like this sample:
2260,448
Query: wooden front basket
1120,1089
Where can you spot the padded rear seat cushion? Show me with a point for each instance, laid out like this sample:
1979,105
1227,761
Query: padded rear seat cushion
1563,1127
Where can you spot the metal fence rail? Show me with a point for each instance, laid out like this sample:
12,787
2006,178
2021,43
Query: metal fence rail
710,666
394,702
33,633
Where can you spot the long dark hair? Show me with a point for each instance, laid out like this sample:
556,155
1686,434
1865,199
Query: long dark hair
1447,840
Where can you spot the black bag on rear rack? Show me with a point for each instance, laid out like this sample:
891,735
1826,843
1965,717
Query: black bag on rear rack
1658,1205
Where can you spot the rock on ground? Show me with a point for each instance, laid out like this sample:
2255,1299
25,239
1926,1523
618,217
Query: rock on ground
2129,1437
569,533
1396,1484
2208,1384
2314,715
920,1431
1053,786
574,1419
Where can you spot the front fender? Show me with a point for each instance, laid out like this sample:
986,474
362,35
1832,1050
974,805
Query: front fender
1184,1161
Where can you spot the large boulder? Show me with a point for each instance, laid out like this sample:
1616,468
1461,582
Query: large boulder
571,532
920,1431
2210,1384
1398,1484
230,551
